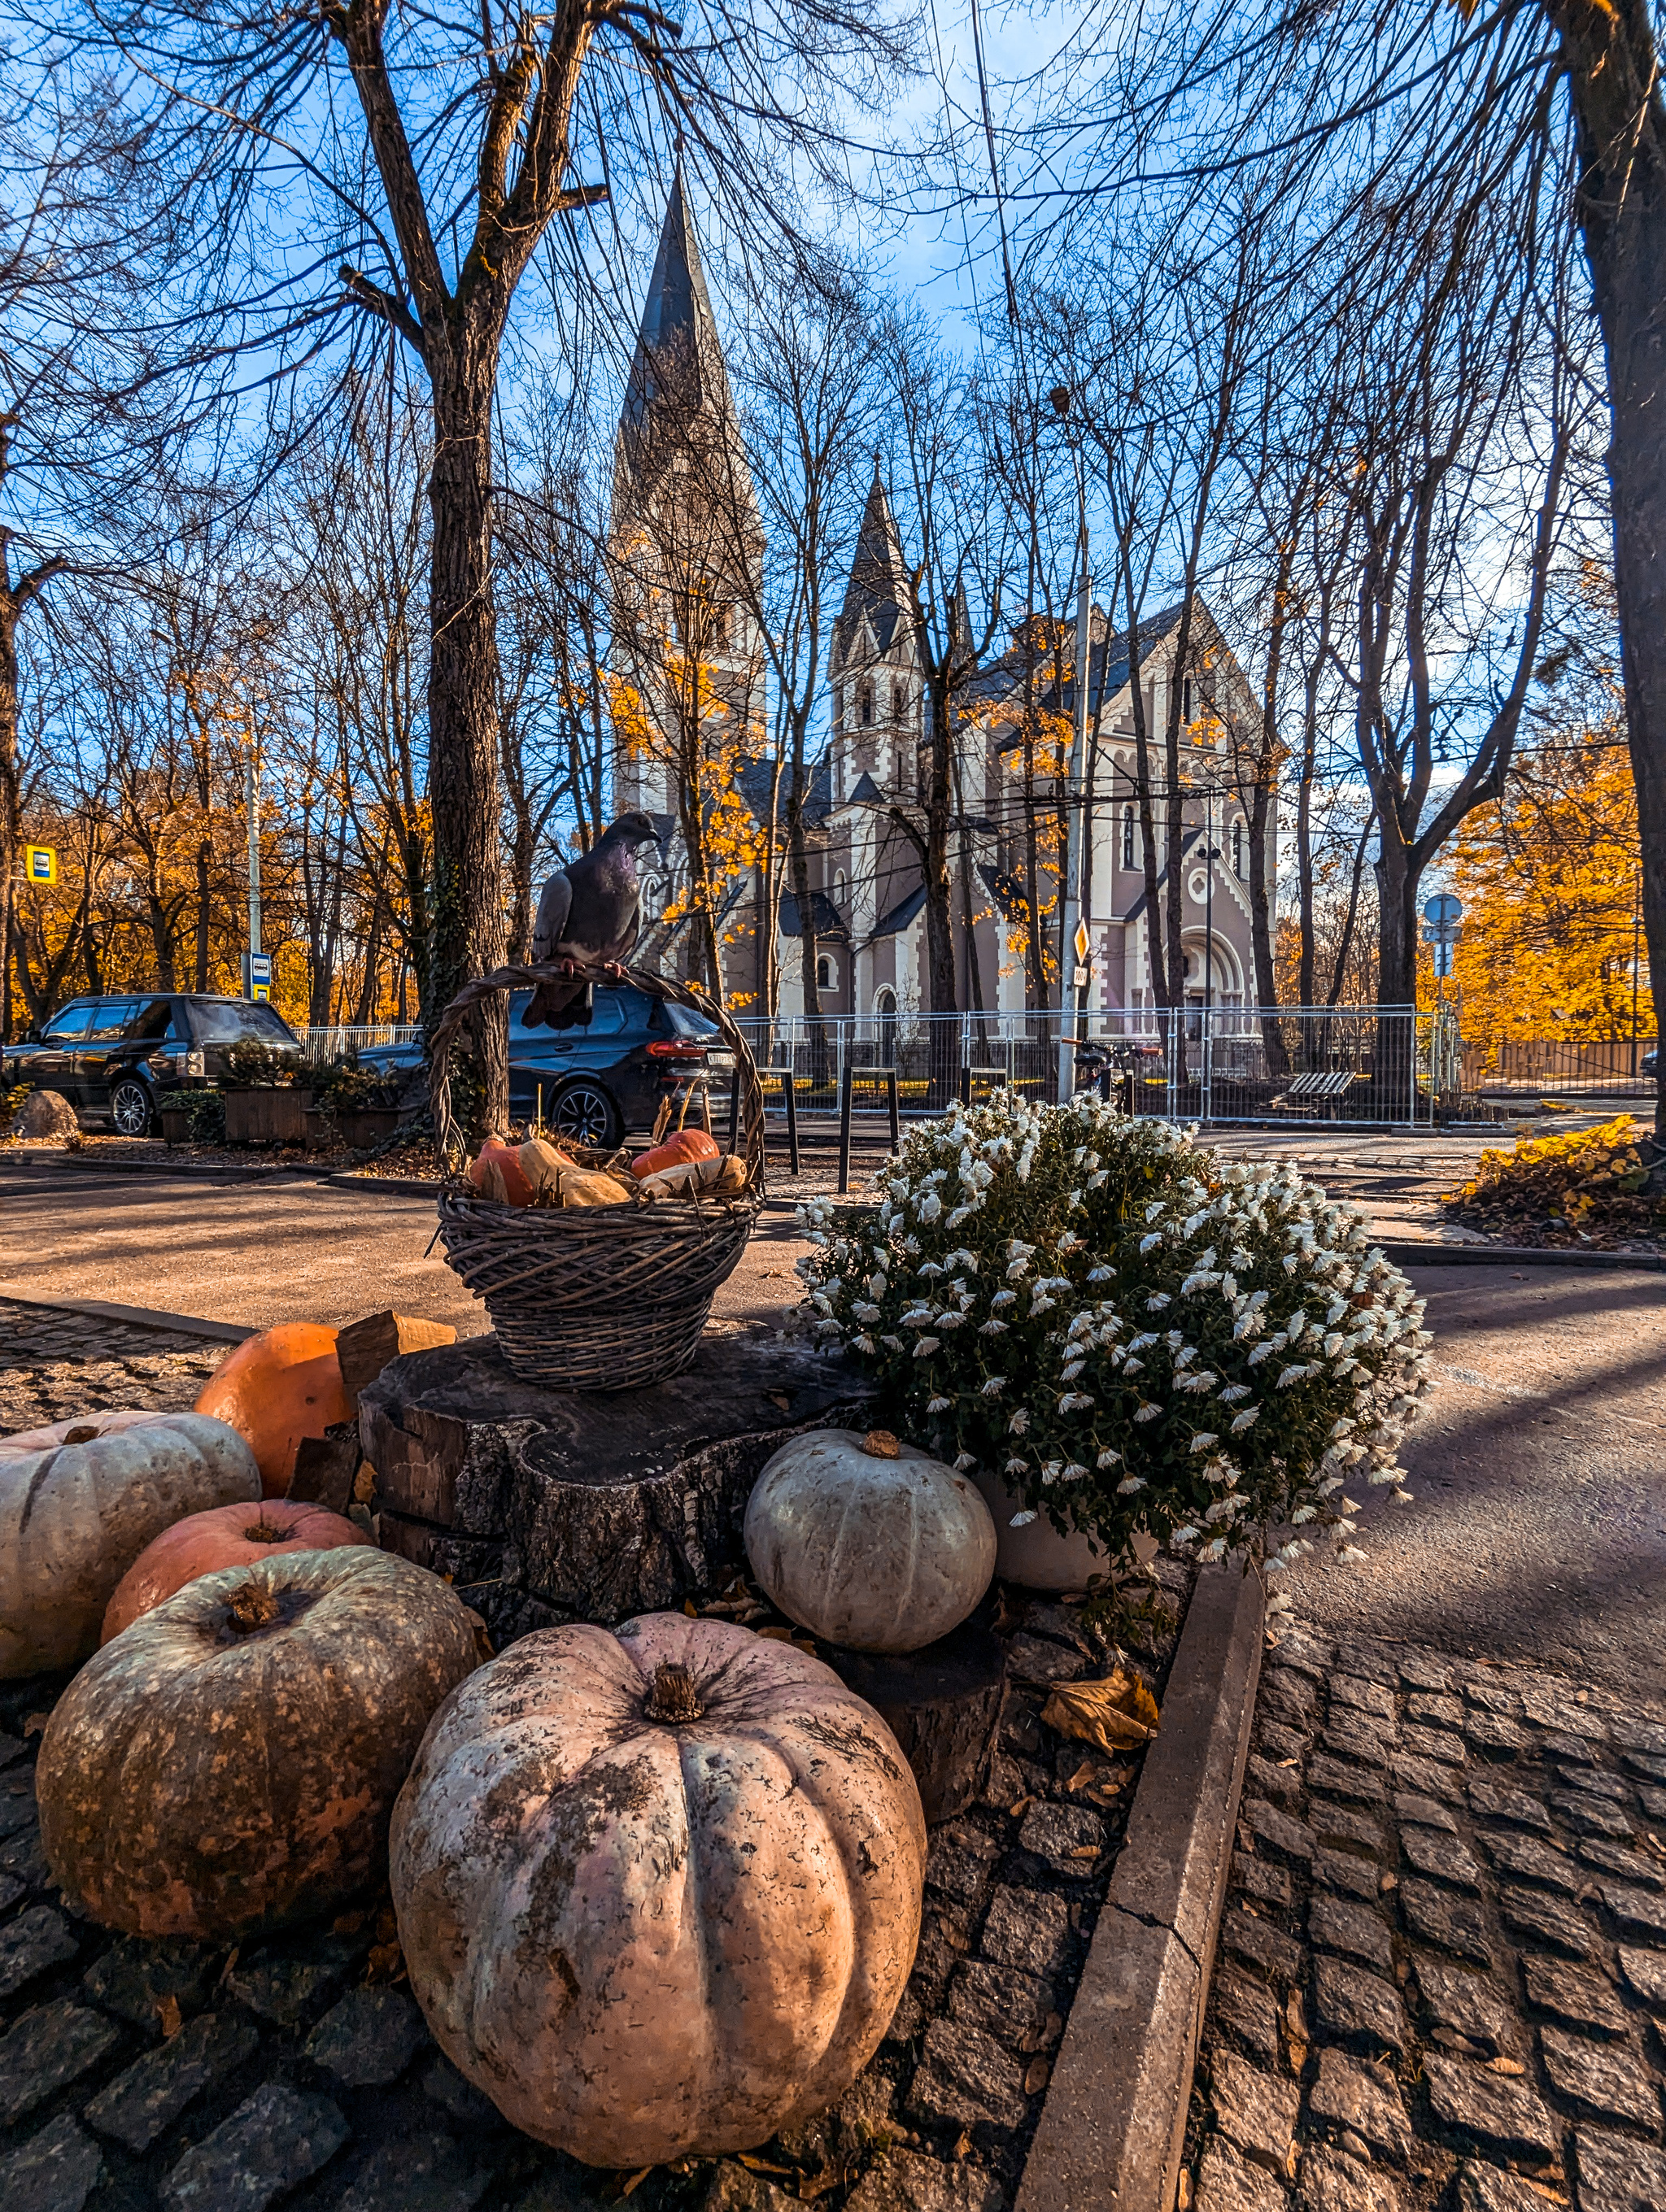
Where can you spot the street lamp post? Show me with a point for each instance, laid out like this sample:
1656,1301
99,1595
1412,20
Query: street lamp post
1074,902
1206,1071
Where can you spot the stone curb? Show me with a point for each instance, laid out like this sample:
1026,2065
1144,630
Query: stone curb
218,1332
1113,2128
1410,1253
391,1186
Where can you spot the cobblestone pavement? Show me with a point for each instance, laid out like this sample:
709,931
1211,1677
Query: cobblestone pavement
54,1364
1442,1974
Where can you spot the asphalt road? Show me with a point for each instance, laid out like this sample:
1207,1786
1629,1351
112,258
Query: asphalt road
1539,1466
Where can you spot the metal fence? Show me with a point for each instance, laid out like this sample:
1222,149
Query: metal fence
1364,1064
341,1039
1517,1067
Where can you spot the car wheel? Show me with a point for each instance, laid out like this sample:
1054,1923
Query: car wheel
131,1110
582,1112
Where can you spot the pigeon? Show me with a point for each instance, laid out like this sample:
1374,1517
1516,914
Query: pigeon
590,911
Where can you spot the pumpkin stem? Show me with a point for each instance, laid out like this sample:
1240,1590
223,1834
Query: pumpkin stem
82,1433
263,1533
251,1607
879,1444
673,1696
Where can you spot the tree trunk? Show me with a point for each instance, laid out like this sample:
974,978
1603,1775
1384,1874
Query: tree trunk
798,863
1614,85
467,931
10,810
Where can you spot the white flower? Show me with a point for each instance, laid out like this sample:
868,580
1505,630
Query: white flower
865,1312
993,1328
1146,1411
1019,1422
1041,1303
1074,1402
863,1343
891,1343
1107,1458
926,1347
962,1460
1349,1553
1146,1243
1102,1274
1289,1375
938,1405
1263,1352
1157,1301
1246,1419
1005,1298
1232,1393
1020,1520
1129,1484
993,1387
1070,1373
929,1206
1203,1440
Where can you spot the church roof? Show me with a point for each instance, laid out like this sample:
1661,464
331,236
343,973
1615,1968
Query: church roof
1106,660
678,325
878,586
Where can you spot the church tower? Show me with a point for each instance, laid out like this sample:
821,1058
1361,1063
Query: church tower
877,693
685,548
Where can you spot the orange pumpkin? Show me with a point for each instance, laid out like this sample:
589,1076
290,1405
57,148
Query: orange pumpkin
225,1536
686,1145
276,1388
496,1172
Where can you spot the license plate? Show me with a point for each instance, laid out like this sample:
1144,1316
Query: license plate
721,1063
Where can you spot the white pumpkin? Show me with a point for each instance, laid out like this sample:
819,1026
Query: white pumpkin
867,1541
76,1515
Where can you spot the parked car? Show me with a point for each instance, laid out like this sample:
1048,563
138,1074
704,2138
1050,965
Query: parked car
599,1083
1650,1063
118,1059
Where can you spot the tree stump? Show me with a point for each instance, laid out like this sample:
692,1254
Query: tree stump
943,1705
566,1504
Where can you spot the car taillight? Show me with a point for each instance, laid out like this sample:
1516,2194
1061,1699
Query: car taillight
658,1051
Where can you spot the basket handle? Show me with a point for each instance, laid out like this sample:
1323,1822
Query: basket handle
448,1138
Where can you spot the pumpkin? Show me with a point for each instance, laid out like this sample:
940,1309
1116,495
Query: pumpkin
868,1542
719,1176
226,1536
577,1185
228,1763
277,1388
658,1888
686,1145
542,1164
496,1172
75,1429
75,1516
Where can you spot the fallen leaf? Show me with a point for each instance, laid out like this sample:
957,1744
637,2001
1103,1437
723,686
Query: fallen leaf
35,1722
962,2147
636,2181
1288,1762
386,1963
1017,1809
1084,1851
693,1613
1037,2076
1294,2018
755,2164
168,2011
1512,2067
779,1398
231,1961
1391,1880
1084,1774
813,2186
1118,1714
364,1483
1182,2195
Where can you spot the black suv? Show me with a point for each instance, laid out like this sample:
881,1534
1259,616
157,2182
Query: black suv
116,1059
597,1081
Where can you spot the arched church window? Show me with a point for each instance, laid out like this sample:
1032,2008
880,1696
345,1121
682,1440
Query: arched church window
865,705
1238,848
900,694
1127,836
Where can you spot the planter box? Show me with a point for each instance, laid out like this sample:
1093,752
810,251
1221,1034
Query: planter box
368,1125
270,1117
176,1126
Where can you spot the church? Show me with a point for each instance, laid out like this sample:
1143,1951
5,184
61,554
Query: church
704,744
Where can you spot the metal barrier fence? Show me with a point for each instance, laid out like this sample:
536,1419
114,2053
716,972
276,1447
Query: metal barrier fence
1514,1067
1365,1065
341,1038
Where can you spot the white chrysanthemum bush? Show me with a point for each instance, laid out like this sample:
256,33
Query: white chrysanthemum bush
1132,1332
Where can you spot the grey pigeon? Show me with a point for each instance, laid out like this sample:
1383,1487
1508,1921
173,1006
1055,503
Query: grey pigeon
591,910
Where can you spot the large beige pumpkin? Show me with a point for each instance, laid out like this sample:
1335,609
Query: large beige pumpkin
658,1890
868,1542
75,1513
228,1762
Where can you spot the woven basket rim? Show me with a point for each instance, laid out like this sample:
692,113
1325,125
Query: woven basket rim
453,1153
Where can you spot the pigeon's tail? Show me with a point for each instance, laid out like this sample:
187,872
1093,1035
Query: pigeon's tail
558,1006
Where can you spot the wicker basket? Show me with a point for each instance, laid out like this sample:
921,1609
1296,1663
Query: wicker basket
604,1297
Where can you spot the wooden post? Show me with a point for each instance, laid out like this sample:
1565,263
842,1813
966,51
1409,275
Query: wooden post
895,1118
789,1089
966,1083
844,1130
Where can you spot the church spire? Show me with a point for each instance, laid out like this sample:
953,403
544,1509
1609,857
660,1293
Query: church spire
677,341
879,583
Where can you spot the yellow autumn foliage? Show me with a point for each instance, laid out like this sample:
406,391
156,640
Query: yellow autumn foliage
1585,1184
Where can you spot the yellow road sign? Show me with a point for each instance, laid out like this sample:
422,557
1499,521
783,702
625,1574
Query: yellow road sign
1082,940
39,864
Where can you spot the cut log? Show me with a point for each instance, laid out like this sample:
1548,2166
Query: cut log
943,1705
364,1348
326,1468
603,1504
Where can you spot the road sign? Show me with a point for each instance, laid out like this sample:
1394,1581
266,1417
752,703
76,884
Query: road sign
257,975
1083,943
39,864
1442,933
1079,976
1444,909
